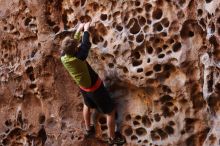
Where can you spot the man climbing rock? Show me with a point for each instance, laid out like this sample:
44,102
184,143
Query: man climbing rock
95,95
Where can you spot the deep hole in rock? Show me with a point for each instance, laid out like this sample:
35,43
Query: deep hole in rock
171,123
31,76
191,34
134,137
177,46
148,60
154,136
32,86
139,70
213,41
161,55
85,18
42,118
157,13
145,141
165,47
27,21
148,7
168,52
169,67
111,65
150,50
131,37
83,2
15,131
149,21
8,123
171,41
165,98
138,117
137,3
30,73
56,29
105,44
136,54
199,12
175,109
128,131
142,20
103,17
157,67
104,127
102,120
139,10
157,117
125,69
135,28
146,121
141,131
148,73
136,123
165,22
136,62
181,2
162,134
6,141
202,22
115,14
95,6
158,27
96,39
77,3
140,38
119,27
166,111
128,117
169,130
208,1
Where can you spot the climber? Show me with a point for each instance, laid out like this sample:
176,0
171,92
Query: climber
95,95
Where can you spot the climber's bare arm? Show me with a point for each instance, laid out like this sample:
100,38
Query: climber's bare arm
77,33
85,45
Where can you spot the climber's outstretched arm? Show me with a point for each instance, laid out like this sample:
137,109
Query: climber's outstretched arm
85,45
77,34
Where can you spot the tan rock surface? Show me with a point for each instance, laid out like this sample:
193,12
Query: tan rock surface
160,60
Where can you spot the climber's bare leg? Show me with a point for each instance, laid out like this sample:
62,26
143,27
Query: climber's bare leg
111,124
86,116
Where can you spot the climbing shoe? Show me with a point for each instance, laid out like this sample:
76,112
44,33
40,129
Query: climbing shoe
90,133
118,140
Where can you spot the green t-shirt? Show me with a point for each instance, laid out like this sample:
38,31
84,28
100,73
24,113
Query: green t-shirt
78,70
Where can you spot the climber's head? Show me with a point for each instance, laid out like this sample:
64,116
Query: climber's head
69,46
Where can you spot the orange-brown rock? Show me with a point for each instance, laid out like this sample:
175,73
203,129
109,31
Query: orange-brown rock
160,60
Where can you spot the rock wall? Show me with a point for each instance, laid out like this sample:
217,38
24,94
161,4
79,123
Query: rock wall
160,60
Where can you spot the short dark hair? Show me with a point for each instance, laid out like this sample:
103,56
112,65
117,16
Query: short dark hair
69,46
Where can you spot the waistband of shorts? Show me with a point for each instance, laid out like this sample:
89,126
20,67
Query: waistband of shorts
94,87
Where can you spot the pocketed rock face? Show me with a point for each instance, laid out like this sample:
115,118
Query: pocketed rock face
159,59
